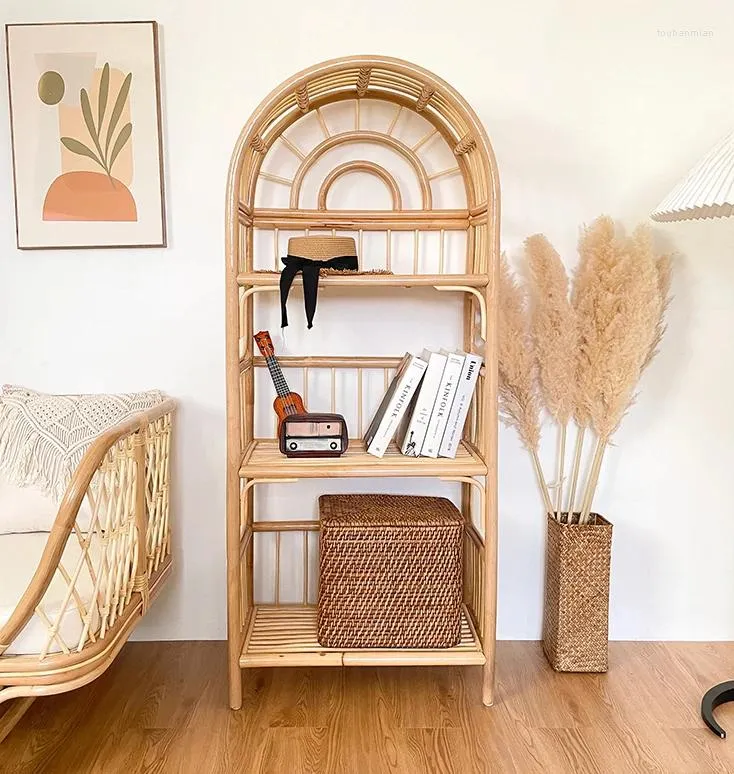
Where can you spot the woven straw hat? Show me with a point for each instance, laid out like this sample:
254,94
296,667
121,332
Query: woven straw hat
308,255
321,248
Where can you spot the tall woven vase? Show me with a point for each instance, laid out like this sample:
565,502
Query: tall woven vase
576,614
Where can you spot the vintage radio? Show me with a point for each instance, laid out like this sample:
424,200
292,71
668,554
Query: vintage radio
313,435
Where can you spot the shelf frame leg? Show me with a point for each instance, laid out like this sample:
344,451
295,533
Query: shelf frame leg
234,457
488,256
489,635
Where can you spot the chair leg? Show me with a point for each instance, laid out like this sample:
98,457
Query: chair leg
14,712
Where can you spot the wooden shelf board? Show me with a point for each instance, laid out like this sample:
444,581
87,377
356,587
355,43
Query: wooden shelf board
272,279
264,460
286,636
356,220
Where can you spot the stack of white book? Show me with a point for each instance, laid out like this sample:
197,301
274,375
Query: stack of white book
426,405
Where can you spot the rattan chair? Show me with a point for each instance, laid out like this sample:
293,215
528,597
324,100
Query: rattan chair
101,567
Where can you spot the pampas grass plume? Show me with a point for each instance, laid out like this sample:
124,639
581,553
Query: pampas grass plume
518,397
620,304
553,327
619,312
596,248
664,269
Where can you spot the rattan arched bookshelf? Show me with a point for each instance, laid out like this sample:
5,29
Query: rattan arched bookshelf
285,635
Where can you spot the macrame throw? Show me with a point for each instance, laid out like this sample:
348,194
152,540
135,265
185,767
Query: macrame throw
44,437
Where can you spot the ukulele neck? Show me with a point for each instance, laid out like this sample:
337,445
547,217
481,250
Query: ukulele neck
281,386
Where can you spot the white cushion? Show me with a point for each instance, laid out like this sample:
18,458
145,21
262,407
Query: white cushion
19,558
30,509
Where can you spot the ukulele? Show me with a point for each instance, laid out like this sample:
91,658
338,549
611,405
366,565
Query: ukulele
287,402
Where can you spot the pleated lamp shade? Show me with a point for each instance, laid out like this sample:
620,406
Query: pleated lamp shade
707,191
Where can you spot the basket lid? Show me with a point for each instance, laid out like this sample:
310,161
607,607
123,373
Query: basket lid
388,511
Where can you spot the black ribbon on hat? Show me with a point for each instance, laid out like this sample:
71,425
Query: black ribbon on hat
310,271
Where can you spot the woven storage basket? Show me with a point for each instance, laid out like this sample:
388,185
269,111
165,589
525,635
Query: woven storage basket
576,614
390,572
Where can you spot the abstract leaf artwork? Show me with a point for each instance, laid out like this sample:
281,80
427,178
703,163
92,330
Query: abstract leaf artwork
86,134
81,193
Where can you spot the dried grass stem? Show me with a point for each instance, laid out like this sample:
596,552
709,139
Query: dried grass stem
577,454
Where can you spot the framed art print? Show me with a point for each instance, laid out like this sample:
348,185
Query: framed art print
86,130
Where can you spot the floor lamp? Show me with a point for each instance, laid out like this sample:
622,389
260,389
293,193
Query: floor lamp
706,192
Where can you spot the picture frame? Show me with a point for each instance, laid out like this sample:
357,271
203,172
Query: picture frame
86,134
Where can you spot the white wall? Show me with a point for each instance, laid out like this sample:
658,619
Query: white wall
589,109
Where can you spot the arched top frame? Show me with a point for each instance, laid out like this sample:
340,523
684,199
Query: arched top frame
402,83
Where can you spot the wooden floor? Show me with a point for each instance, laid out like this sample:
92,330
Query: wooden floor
162,708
